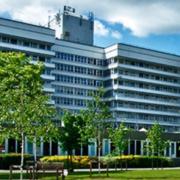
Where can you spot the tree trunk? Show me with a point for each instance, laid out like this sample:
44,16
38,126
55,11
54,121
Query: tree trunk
71,162
99,152
35,150
22,156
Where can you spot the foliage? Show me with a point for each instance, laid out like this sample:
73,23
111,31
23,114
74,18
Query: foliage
69,134
97,115
117,137
12,158
97,118
78,161
132,160
157,143
24,109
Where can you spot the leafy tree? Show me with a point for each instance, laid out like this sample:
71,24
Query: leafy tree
118,138
24,109
156,143
69,135
97,120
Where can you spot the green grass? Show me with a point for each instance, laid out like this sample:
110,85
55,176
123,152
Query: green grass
124,175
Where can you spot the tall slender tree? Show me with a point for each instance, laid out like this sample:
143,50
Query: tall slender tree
97,120
157,143
119,139
24,106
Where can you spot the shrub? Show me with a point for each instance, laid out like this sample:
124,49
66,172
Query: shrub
77,161
134,161
12,159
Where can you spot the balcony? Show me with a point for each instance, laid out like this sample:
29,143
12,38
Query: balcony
48,77
151,81
46,64
141,100
51,102
143,90
49,65
48,89
144,121
142,69
16,47
144,111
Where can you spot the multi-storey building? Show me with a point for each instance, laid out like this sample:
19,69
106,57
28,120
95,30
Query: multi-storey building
142,86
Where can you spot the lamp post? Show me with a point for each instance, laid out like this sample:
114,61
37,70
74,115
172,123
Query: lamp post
142,143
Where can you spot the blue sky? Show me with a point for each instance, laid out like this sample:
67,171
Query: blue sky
152,24
163,42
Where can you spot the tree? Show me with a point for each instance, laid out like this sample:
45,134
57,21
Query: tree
97,119
156,143
24,109
119,140
69,135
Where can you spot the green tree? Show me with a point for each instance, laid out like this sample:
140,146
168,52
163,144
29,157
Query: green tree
157,143
119,139
69,135
97,117
24,107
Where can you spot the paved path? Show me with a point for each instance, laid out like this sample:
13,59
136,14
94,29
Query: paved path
110,169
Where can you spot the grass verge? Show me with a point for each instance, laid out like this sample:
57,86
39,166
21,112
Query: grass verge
124,175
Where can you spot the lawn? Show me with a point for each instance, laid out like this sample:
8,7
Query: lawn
124,175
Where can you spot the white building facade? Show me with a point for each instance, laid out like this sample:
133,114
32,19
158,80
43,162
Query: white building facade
142,86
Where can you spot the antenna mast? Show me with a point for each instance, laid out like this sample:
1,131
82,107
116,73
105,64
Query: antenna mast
56,18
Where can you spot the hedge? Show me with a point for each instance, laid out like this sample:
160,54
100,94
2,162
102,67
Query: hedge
12,159
134,161
77,161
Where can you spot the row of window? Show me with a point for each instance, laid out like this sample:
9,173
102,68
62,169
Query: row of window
122,93
148,65
143,106
73,91
80,59
78,80
140,85
40,58
146,76
78,69
23,42
146,117
62,111
70,101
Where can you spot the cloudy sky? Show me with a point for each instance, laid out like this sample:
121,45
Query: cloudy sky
153,24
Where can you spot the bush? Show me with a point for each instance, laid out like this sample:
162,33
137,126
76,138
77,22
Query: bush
113,161
77,161
12,159
137,161
146,161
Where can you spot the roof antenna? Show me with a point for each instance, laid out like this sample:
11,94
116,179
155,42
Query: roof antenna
56,18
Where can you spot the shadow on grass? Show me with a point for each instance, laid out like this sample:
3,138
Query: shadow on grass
49,176
126,175
122,175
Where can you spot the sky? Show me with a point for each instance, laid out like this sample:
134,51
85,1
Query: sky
153,24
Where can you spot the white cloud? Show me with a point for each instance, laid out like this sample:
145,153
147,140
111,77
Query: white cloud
100,29
116,34
141,17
